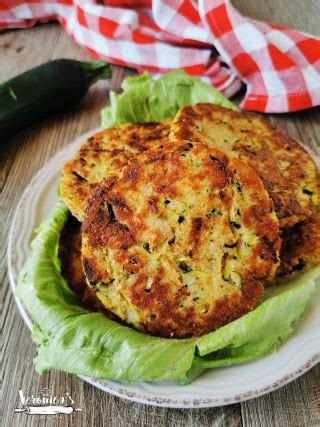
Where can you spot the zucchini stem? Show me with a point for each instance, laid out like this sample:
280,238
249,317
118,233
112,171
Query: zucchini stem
96,70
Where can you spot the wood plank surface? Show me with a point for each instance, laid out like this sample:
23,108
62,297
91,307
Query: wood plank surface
297,404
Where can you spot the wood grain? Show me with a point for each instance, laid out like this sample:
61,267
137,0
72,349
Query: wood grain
297,404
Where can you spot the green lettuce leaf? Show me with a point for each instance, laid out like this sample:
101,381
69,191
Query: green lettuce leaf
73,339
144,99
258,332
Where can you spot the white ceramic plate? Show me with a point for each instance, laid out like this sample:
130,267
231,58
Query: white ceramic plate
214,388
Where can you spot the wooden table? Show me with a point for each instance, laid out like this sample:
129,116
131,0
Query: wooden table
296,404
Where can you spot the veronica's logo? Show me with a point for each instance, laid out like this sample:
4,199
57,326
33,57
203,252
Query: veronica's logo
46,403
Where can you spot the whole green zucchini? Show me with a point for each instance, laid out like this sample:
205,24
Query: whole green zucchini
44,90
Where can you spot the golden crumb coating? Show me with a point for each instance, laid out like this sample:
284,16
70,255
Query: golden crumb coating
286,169
300,249
105,153
182,242
69,253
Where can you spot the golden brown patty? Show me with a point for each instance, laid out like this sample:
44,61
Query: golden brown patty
105,153
181,244
300,248
286,169
71,265
70,255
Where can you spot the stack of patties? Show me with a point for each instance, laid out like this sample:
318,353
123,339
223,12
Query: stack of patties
184,223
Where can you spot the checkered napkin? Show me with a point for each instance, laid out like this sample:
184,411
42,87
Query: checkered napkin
210,39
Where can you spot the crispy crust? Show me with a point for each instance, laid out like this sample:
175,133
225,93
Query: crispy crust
286,169
180,244
69,253
300,249
105,153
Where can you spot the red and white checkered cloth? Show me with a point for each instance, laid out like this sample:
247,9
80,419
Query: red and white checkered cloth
209,39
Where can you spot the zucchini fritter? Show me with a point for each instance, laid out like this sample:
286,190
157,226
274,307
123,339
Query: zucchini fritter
300,249
181,243
69,253
286,169
105,153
